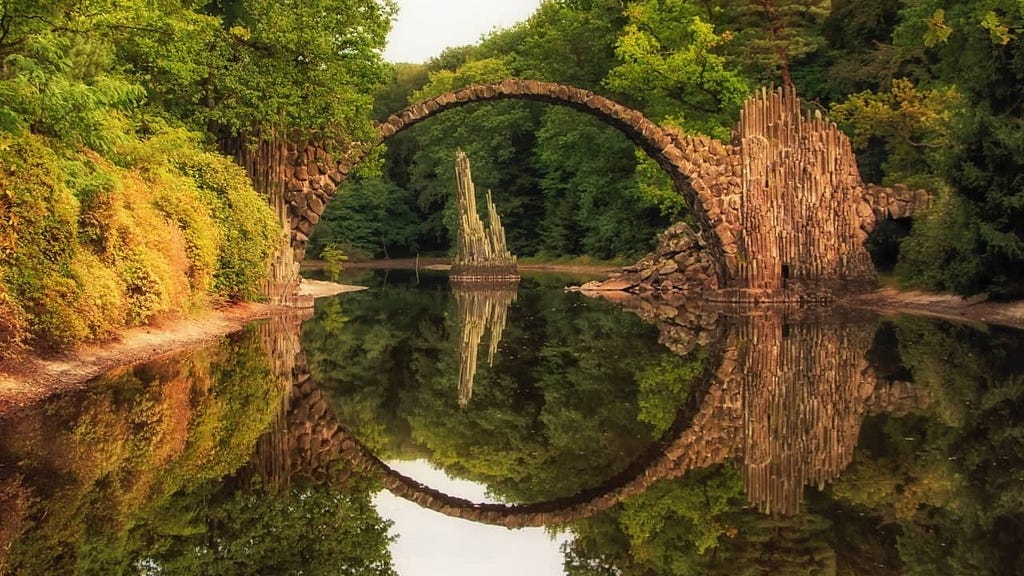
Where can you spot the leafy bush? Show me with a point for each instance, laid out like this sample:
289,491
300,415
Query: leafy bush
248,229
88,247
935,256
39,234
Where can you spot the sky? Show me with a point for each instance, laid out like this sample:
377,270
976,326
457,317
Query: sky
431,544
424,28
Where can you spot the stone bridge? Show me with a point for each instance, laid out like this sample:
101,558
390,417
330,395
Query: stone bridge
782,208
783,400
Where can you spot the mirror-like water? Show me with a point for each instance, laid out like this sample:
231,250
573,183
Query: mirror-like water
412,429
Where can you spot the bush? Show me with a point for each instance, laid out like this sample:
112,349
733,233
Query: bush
39,236
937,255
248,228
88,247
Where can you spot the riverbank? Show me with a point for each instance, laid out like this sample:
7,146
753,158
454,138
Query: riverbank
27,378
889,301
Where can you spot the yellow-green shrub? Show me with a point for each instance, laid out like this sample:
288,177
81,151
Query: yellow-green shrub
89,246
101,304
248,226
13,324
39,231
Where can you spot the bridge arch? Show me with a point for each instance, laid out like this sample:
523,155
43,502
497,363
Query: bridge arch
312,178
781,210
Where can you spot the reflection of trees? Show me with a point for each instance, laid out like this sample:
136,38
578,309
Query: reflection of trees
560,407
130,474
482,307
785,401
934,487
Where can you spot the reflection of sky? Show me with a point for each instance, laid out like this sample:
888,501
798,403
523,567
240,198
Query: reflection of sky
430,543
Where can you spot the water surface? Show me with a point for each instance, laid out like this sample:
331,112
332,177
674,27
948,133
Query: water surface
415,429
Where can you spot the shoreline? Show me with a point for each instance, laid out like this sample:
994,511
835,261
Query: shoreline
28,378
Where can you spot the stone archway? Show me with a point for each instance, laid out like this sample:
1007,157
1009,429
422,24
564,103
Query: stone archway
781,209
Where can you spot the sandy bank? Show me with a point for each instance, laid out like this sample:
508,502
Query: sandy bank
888,301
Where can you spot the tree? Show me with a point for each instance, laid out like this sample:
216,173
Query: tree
235,67
770,35
977,48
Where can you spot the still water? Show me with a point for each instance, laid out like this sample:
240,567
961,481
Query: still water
416,429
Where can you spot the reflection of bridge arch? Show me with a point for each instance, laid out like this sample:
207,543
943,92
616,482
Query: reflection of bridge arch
781,209
785,401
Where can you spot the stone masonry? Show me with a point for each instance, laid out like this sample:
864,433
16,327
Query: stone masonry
781,211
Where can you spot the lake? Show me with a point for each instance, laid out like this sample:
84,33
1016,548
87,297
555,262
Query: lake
419,428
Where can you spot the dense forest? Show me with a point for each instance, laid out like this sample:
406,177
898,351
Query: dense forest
117,205
928,90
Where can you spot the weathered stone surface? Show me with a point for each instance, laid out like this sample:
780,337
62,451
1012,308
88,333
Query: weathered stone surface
617,284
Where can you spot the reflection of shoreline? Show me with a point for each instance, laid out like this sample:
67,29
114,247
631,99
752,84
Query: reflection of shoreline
29,378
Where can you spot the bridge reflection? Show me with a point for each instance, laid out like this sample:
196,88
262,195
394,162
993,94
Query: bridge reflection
782,397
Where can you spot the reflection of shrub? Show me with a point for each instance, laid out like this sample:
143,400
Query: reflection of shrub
122,470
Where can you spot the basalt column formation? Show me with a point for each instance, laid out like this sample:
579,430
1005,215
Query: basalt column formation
482,251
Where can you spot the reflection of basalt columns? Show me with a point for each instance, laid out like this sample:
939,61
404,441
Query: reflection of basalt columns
482,252
295,445
805,388
481,309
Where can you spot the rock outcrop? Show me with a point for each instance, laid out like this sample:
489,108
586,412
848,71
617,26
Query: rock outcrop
680,265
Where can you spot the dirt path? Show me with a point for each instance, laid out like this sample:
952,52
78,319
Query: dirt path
28,378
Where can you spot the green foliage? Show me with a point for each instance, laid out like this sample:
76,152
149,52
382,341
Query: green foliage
664,386
39,236
941,254
91,247
915,125
556,413
235,65
316,530
772,36
333,256
247,228
675,527
58,76
669,59
371,216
